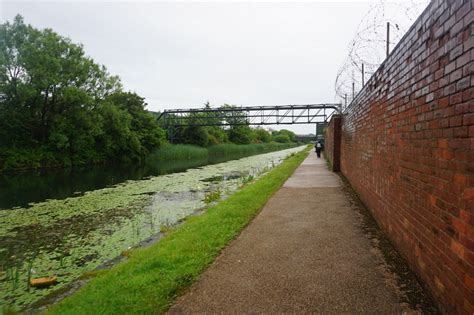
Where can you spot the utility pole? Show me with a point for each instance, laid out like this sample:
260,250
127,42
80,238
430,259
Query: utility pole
345,100
388,38
353,91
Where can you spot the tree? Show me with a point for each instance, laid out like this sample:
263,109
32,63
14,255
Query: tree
44,75
262,135
238,130
142,123
216,133
284,136
281,138
57,101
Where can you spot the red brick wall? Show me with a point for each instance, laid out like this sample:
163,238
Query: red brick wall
332,145
408,150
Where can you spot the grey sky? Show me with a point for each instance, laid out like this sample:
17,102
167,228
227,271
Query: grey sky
182,54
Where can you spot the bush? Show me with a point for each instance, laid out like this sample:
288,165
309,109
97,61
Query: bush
281,138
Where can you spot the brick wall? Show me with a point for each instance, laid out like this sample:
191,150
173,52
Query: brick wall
332,145
407,148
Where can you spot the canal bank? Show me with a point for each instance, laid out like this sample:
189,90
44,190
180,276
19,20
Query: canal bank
306,252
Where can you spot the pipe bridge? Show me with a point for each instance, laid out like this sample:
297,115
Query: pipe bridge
250,115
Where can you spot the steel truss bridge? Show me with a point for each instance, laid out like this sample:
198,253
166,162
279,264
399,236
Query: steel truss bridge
250,115
318,114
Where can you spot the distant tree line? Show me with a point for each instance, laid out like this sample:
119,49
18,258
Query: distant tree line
58,107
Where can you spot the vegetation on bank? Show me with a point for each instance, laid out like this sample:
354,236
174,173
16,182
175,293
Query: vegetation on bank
250,149
60,108
153,277
194,152
238,130
180,152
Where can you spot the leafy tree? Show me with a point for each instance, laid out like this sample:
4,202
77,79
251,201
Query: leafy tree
142,123
238,130
241,135
283,136
44,75
56,101
196,132
197,135
262,135
217,135
117,138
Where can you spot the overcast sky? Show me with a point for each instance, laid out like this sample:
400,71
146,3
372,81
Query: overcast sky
182,54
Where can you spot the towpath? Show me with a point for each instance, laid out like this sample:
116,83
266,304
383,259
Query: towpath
305,252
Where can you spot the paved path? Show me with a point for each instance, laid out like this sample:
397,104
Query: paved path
305,252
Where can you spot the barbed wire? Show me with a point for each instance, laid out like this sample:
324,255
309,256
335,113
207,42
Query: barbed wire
367,50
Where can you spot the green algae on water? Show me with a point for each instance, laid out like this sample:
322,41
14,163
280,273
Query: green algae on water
70,237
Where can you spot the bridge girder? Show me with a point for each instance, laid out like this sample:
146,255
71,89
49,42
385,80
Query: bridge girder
250,115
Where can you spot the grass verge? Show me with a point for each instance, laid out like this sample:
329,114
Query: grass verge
153,277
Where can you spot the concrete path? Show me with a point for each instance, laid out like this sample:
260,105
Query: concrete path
304,253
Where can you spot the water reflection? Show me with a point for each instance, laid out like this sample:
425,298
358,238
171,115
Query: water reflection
20,189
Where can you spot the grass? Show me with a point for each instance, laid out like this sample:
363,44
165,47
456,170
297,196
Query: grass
247,149
180,152
213,196
193,152
153,277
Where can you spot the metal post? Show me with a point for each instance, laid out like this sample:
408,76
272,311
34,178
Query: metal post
388,38
363,82
353,91
345,100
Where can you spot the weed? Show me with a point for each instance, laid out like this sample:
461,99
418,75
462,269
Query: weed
212,196
93,273
127,253
29,266
8,311
166,227
247,179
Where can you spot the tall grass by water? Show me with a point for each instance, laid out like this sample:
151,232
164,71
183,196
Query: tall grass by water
193,152
180,152
247,149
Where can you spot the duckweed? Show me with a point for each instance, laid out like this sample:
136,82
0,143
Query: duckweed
70,237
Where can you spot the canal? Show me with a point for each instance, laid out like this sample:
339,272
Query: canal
76,222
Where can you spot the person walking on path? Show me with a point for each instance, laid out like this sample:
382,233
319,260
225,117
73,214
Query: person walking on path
319,148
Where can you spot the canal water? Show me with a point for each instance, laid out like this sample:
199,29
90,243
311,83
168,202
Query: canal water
77,222
20,189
